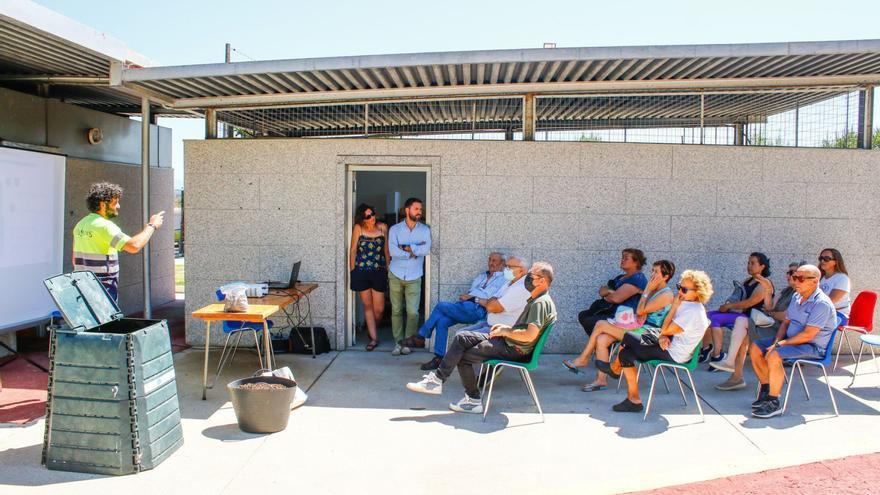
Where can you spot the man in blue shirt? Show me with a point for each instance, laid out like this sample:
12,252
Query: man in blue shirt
470,308
408,243
805,334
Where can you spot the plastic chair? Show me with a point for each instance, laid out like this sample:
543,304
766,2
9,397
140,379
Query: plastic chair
861,321
689,366
494,366
798,364
237,329
872,341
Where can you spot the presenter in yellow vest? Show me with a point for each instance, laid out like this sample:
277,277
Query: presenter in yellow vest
97,240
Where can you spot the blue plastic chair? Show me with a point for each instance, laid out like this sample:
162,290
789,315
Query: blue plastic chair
237,329
494,367
797,364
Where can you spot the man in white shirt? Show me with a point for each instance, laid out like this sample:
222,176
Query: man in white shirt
469,309
505,307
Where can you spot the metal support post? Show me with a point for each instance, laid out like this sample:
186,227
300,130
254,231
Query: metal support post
210,123
228,53
866,117
366,119
508,134
702,117
797,123
738,134
145,199
473,119
529,117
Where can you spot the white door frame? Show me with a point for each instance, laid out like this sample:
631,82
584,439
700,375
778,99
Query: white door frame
351,299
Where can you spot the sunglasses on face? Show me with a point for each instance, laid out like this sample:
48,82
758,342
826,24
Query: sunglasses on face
801,278
826,258
790,272
368,216
683,289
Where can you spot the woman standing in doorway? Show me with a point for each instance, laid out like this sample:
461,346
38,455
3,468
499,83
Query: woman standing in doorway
368,262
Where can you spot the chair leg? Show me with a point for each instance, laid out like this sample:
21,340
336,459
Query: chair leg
858,361
849,345
650,392
257,343
696,396
491,379
790,385
830,390
221,361
804,381
481,380
874,358
663,376
839,348
531,386
680,386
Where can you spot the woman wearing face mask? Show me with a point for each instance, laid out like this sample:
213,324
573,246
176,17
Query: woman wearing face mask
368,261
653,305
835,282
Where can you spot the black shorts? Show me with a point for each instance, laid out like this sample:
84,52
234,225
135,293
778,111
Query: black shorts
362,280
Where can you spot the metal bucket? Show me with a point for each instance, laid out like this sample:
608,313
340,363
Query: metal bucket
262,411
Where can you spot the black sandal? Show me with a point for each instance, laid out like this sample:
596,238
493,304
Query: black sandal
372,345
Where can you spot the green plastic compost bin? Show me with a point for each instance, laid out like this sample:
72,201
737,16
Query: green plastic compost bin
112,403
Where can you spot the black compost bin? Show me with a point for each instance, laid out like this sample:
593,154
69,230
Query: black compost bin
112,400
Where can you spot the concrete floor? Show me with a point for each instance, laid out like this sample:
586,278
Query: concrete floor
361,430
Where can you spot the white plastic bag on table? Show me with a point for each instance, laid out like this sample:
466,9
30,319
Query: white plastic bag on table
235,298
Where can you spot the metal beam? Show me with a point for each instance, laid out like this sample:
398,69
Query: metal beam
866,117
529,117
66,80
523,88
145,200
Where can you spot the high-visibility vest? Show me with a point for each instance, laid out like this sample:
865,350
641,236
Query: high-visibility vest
96,245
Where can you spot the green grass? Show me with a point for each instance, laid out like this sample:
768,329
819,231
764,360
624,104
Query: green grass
178,276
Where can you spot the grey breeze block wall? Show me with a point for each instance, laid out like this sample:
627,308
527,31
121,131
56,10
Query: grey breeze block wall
255,205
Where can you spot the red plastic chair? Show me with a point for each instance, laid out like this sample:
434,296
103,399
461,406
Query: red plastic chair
861,321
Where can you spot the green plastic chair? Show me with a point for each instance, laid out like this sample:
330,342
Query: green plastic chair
689,366
494,367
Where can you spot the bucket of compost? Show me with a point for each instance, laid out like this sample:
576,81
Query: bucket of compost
262,403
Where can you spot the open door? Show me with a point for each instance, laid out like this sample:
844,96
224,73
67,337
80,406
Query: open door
386,189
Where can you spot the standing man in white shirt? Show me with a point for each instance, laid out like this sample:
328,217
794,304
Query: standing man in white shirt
409,242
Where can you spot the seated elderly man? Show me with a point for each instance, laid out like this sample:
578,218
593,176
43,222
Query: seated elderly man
470,308
507,304
805,334
514,343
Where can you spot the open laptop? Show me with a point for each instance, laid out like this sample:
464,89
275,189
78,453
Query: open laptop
294,275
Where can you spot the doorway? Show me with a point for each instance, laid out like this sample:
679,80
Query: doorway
385,188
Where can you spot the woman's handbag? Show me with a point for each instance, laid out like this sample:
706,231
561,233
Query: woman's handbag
738,294
761,318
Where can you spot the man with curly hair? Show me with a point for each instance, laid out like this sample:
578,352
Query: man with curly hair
97,240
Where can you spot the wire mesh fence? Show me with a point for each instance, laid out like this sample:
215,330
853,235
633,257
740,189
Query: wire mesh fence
822,117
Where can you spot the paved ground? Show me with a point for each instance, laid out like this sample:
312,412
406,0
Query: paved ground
362,431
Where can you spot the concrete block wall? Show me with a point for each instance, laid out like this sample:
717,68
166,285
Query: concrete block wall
253,206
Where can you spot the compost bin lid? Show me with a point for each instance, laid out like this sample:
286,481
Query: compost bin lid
83,300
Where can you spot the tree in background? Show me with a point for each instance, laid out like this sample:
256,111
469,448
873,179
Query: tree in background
850,140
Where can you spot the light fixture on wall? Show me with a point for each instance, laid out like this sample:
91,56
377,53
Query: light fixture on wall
95,135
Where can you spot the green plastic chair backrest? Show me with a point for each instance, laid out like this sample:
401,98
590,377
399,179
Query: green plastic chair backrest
536,353
690,365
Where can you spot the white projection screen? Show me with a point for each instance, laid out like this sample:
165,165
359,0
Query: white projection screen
31,233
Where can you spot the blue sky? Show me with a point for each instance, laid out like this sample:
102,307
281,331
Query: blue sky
195,31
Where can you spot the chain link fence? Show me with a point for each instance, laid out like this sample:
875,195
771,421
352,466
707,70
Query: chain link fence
822,117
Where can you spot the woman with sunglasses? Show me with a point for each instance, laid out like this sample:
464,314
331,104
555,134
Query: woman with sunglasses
679,337
775,310
728,313
835,282
368,262
652,308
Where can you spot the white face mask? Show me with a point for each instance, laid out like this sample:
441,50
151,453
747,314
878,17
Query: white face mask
508,274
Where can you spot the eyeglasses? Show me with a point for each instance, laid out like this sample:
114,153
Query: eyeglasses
369,216
683,289
826,258
513,266
790,272
801,278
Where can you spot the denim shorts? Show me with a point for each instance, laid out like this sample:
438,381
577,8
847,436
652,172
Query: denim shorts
791,352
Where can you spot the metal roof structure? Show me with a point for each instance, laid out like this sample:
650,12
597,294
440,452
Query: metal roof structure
267,94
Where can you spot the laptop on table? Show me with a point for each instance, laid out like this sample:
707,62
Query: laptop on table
294,275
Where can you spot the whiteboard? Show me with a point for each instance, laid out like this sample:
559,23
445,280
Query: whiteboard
31,233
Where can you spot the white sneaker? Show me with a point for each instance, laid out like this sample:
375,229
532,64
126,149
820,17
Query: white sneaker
405,350
468,405
397,350
430,384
